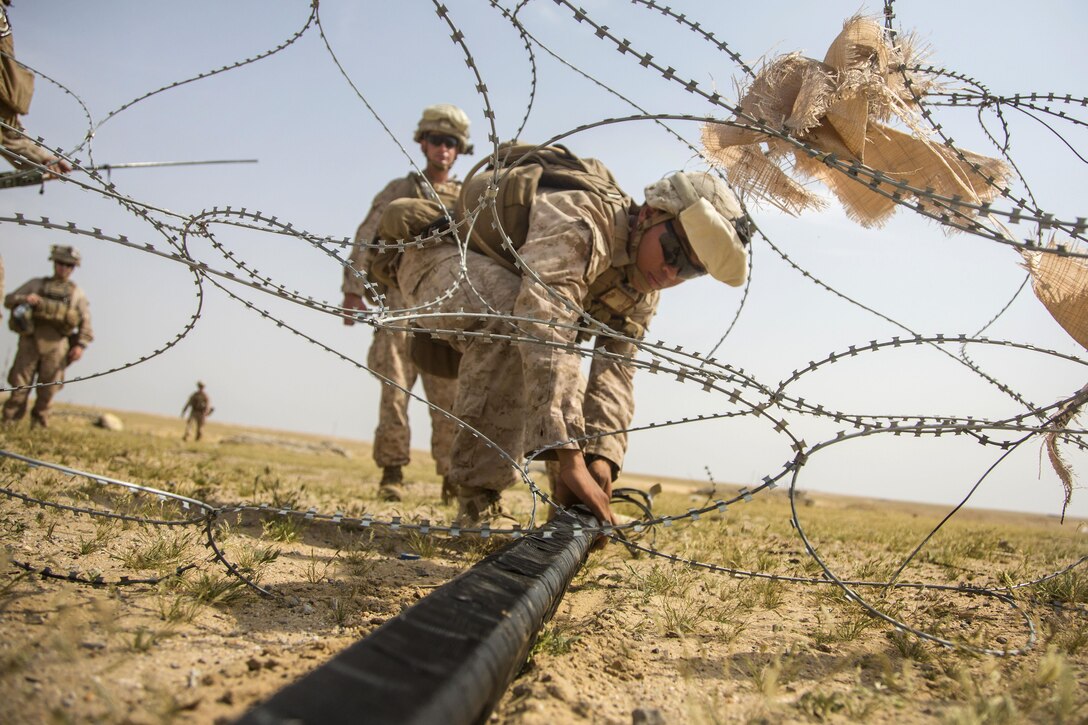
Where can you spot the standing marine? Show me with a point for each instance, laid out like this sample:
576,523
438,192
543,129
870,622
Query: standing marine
16,90
200,407
53,319
442,134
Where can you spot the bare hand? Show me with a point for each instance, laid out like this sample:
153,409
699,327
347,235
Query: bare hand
56,166
75,352
352,302
577,484
601,470
33,299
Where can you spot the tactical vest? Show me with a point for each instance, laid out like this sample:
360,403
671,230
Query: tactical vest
56,308
526,169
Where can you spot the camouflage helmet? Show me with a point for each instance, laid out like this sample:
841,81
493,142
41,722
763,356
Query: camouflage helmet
64,253
445,119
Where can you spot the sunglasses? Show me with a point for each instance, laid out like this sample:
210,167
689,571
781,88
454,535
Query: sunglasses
63,264
439,139
677,253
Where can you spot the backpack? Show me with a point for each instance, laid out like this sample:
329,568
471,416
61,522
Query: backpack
523,169
16,82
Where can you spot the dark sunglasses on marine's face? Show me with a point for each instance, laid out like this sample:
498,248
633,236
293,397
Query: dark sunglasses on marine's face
438,139
676,254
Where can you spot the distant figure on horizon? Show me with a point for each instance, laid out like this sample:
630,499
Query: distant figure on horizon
442,134
53,319
200,407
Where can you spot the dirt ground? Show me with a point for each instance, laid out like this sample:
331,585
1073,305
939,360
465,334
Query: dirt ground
636,639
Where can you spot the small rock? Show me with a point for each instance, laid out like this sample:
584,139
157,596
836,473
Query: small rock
253,664
1002,640
109,421
307,608
824,647
647,716
227,698
560,691
93,646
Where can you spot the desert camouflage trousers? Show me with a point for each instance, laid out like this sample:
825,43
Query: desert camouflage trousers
390,357
491,387
196,420
40,360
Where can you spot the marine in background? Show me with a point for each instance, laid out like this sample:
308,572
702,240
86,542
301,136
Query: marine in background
199,406
16,90
442,134
52,317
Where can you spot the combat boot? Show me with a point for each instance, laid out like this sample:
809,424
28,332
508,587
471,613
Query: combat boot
479,506
389,487
14,409
449,491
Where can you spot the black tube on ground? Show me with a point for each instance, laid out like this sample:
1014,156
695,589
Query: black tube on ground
450,657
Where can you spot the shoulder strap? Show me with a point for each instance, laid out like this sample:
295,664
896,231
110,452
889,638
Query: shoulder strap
523,168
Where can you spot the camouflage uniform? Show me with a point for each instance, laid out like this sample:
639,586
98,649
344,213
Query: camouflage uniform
16,88
389,351
524,396
199,407
43,353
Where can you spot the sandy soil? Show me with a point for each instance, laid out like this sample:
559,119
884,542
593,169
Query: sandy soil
635,639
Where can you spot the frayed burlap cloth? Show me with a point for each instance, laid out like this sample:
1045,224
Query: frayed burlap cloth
1061,284
841,106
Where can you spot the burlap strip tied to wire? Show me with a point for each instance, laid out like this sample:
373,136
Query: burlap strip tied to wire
842,106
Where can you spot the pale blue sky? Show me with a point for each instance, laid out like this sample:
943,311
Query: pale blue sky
323,155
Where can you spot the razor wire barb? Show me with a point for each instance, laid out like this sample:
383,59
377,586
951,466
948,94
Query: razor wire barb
740,393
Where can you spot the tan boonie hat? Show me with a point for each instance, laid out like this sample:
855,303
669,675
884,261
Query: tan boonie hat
446,119
64,253
710,215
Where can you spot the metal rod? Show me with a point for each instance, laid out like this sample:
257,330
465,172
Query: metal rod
145,164
32,177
